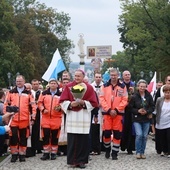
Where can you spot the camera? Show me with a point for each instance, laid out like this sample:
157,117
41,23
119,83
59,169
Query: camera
12,109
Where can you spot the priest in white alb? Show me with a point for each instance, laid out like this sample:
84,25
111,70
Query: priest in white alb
77,101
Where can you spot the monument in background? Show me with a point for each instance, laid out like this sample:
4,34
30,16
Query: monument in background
80,44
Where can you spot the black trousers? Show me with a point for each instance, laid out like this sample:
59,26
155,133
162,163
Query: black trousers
18,136
18,140
2,141
50,140
95,138
162,140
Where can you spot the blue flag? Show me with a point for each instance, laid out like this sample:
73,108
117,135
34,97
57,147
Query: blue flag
106,77
55,67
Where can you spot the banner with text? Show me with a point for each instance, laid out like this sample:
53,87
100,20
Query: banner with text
99,51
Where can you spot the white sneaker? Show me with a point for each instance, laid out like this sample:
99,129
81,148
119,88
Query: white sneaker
168,156
162,154
151,134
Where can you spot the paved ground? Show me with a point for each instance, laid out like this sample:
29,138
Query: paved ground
125,162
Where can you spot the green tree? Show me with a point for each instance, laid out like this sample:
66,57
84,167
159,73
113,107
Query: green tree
9,51
145,34
120,60
41,31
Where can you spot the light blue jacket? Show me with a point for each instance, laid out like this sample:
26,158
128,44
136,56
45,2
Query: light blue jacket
2,129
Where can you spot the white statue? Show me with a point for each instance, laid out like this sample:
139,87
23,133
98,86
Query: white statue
81,44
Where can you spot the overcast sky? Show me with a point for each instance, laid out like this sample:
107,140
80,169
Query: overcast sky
97,20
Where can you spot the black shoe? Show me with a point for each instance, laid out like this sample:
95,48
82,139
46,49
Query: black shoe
107,155
39,151
45,156
123,149
158,152
14,158
22,158
114,156
59,153
129,152
81,166
65,153
53,156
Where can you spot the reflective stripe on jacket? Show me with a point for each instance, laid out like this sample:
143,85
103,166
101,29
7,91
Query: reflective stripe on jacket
25,101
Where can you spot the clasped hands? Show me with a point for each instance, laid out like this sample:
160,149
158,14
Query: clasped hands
78,102
142,111
113,113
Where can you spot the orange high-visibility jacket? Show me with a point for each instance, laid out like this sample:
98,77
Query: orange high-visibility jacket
25,101
49,102
113,98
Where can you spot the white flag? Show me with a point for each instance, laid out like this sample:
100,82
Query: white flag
152,85
55,67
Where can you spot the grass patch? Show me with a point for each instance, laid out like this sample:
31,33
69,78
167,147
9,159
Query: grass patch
2,158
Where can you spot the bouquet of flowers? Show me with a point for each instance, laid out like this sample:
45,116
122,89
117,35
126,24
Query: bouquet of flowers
57,108
144,103
78,91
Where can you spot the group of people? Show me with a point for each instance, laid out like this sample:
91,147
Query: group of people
78,118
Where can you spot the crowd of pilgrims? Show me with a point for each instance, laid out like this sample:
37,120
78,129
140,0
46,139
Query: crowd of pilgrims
124,126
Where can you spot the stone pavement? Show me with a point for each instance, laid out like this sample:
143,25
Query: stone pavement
98,162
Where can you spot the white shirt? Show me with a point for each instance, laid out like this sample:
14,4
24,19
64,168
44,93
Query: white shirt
165,116
20,89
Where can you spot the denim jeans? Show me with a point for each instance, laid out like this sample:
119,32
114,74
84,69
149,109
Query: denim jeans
141,130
